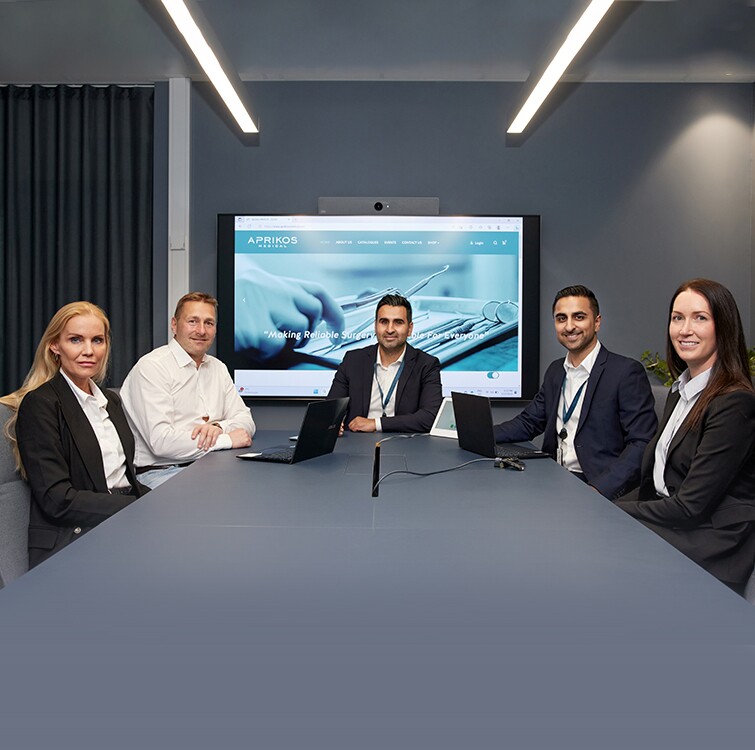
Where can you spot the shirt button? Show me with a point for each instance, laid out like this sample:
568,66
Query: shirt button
77,530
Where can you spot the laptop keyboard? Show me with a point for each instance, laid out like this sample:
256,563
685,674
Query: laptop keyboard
282,455
512,450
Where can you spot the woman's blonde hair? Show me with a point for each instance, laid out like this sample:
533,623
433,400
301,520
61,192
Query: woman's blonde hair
47,364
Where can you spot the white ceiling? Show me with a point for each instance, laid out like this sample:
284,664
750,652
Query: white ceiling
130,41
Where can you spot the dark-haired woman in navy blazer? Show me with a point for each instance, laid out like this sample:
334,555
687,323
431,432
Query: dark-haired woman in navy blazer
697,489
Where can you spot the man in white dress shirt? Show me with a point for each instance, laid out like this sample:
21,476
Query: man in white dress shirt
181,401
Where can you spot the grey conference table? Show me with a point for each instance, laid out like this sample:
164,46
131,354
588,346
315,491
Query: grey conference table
269,606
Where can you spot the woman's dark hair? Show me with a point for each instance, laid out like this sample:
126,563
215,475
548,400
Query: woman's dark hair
731,370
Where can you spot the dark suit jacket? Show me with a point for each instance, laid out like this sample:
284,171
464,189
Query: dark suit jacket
710,475
616,422
418,391
63,463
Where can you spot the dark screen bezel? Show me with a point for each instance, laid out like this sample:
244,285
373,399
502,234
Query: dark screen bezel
530,301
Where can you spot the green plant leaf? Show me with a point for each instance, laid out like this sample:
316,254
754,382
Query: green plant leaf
659,367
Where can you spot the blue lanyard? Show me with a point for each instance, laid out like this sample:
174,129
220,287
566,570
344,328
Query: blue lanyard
385,399
566,413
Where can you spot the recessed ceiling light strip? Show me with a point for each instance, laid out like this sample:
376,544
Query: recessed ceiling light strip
186,24
581,32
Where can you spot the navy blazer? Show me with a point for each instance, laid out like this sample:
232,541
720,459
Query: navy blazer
616,422
418,391
710,476
63,463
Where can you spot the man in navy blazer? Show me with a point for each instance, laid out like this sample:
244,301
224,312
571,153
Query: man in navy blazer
594,409
392,386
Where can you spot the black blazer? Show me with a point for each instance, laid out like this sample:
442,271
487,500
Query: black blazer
63,463
710,475
418,391
616,422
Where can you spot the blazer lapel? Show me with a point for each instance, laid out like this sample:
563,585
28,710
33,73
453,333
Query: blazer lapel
553,396
668,408
118,418
592,383
681,431
81,432
648,457
410,358
368,373
121,426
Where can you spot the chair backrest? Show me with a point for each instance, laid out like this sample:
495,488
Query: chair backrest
660,394
750,589
15,498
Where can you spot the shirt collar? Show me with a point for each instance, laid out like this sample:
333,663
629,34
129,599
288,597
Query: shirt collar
587,363
182,357
397,362
83,396
689,387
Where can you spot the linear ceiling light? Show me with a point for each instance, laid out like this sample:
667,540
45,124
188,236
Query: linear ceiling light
573,44
209,62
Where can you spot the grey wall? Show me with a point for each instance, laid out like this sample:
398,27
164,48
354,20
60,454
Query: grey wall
639,185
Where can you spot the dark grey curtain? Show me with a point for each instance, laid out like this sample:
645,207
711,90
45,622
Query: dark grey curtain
75,216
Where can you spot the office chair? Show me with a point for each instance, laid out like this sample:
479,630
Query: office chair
15,498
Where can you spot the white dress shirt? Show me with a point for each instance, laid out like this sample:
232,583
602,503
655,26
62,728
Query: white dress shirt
575,377
166,396
94,406
385,377
689,391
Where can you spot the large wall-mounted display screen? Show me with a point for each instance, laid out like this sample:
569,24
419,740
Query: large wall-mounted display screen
303,292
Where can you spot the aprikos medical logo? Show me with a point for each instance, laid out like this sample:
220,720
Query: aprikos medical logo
271,241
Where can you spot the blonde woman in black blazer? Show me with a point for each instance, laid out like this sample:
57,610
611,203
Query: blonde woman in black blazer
77,478
697,489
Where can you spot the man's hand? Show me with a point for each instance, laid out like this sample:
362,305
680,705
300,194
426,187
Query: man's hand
239,438
274,311
362,424
206,435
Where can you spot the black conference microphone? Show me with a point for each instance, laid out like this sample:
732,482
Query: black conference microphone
376,471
